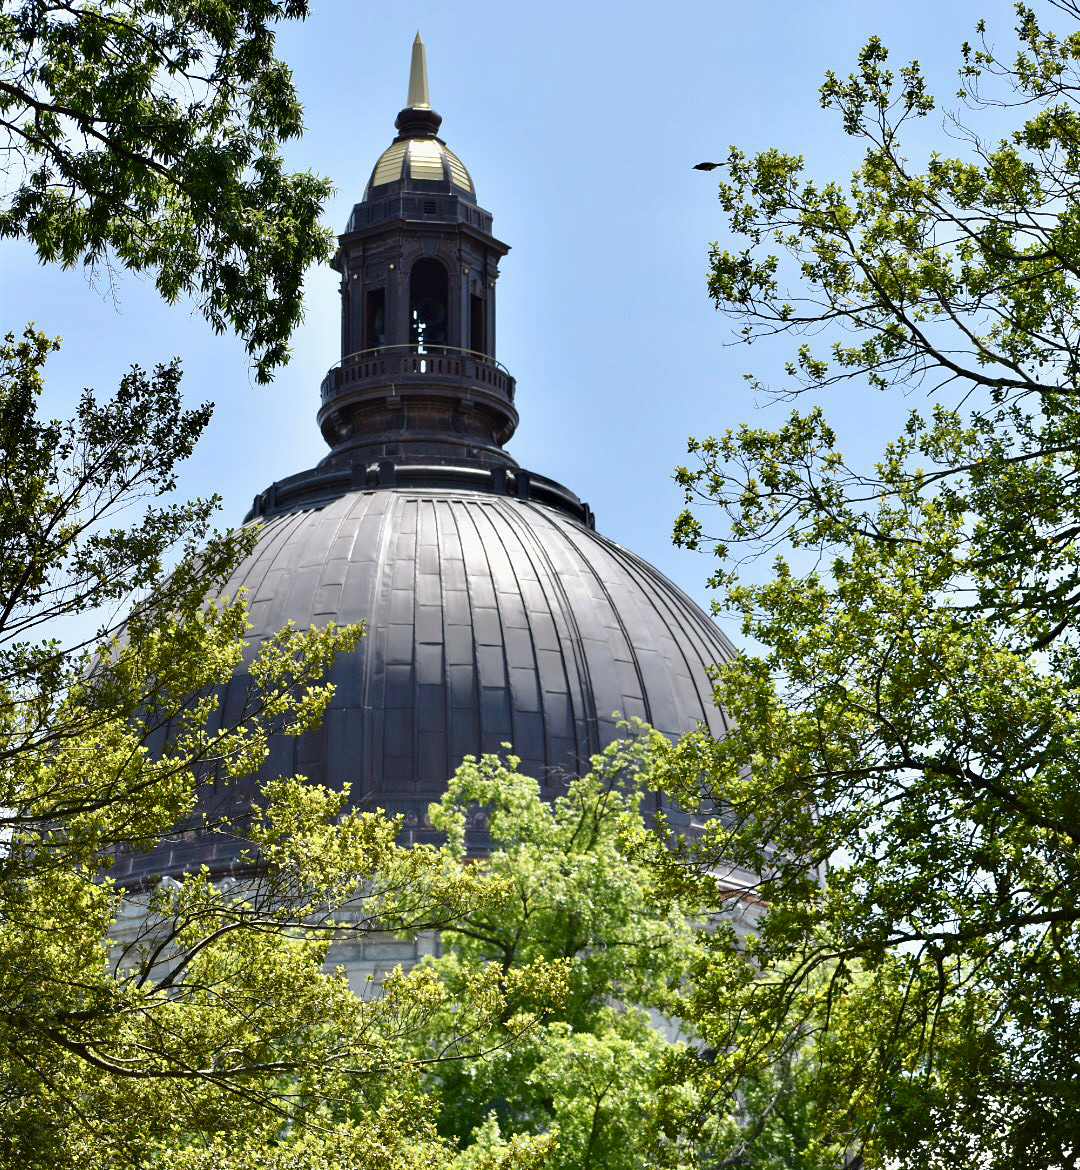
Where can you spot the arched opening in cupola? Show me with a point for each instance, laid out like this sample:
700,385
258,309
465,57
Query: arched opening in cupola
429,304
374,318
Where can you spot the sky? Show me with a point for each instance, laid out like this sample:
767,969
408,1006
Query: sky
580,123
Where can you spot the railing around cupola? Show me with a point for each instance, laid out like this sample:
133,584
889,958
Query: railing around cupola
389,364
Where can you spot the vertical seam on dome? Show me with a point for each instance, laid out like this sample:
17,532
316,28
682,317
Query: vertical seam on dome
424,505
322,741
277,532
477,705
591,715
381,566
442,626
649,576
345,515
532,644
414,673
622,628
455,164
532,640
502,633
391,158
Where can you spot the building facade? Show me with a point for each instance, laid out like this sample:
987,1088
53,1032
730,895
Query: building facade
495,612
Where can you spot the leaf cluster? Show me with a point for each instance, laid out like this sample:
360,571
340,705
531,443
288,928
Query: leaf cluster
902,773
148,133
606,1070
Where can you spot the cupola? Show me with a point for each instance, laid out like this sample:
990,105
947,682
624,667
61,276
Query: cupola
418,383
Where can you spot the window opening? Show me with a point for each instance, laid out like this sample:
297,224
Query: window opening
375,318
429,298
477,324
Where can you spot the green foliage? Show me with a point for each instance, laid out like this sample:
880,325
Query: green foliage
602,1072
903,772
591,1070
190,1024
147,132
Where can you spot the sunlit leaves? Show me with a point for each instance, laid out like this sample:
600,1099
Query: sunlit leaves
572,901
912,721
148,135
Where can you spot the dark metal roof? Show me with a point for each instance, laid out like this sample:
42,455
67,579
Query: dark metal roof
490,620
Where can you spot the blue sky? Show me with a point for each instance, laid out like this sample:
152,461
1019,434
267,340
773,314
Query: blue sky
580,123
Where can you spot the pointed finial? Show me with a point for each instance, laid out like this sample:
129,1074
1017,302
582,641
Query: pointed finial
418,87
418,119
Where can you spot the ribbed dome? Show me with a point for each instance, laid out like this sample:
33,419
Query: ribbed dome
417,156
489,620
495,613
425,160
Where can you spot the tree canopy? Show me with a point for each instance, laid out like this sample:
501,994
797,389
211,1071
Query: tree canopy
609,1070
146,134
903,768
593,1071
190,1024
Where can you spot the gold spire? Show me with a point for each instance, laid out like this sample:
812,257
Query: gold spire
418,88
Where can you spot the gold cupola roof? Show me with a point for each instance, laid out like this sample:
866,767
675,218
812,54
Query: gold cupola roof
427,159
417,154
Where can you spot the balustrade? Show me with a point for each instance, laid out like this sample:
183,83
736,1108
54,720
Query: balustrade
407,364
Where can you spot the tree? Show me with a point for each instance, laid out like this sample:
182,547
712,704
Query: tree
912,722
208,1035
592,1071
147,133
605,1072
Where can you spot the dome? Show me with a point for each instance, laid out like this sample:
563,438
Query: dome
424,160
489,620
417,157
495,612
